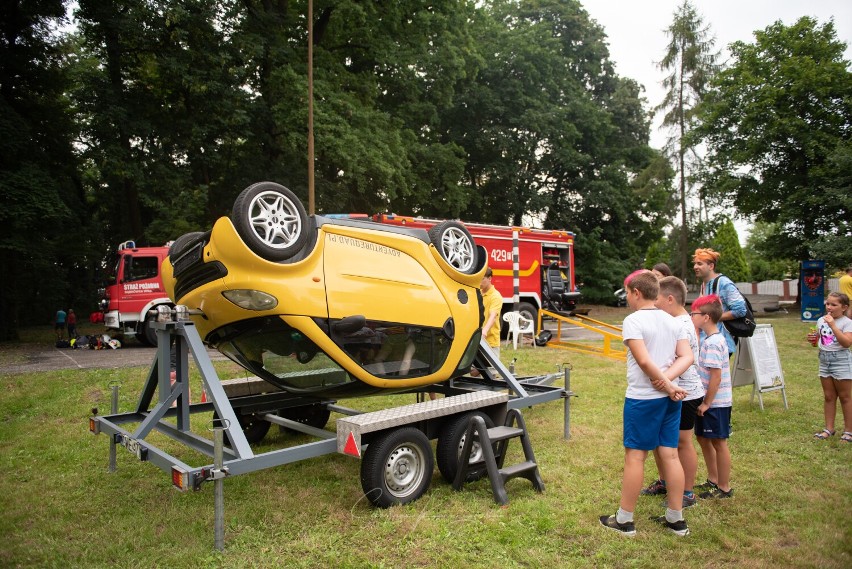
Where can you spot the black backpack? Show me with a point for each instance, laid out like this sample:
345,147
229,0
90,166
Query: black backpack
742,327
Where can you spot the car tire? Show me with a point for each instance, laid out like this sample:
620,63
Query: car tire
397,468
455,245
450,443
271,221
183,242
315,416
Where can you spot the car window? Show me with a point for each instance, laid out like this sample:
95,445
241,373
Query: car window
395,351
280,354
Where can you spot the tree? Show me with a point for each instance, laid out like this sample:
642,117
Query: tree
777,127
43,224
691,61
732,260
765,263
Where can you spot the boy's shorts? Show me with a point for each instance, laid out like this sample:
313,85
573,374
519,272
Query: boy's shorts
651,423
835,364
715,424
688,413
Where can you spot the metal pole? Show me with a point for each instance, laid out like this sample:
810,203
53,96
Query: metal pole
567,427
114,411
311,200
218,489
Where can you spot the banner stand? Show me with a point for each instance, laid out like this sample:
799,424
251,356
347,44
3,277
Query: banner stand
756,363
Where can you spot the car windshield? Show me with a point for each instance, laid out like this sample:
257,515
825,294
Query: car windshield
279,354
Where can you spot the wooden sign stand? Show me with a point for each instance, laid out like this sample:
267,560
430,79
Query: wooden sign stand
757,364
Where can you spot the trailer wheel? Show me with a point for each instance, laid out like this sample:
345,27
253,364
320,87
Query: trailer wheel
451,442
315,416
397,468
456,246
271,221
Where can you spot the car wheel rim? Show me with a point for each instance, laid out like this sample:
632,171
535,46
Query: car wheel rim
475,450
457,248
404,470
275,219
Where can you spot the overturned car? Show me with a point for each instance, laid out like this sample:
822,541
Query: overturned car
325,307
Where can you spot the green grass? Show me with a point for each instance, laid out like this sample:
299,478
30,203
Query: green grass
62,508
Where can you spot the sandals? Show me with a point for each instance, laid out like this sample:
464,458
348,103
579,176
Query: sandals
846,437
825,433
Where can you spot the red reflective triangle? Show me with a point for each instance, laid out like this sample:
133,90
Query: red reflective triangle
352,447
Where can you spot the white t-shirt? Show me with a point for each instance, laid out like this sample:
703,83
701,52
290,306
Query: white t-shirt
827,340
690,380
660,332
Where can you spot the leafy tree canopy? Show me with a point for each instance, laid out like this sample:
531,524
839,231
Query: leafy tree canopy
777,127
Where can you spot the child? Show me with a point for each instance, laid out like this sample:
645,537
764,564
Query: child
713,424
834,336
655,343
671,300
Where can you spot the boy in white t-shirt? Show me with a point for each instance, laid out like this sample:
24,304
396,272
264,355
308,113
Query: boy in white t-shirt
656,344
672,300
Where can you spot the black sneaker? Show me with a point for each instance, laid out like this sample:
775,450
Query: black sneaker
717,493
610,522
707,485
655,488
678,528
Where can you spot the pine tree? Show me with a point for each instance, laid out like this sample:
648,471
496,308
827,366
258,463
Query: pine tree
732,261
691,61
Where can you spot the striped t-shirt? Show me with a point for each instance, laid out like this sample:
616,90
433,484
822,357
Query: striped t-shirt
714,354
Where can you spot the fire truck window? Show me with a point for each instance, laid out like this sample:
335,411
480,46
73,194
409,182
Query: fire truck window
141,268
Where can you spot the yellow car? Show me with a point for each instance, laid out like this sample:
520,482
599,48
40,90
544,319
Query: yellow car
328,307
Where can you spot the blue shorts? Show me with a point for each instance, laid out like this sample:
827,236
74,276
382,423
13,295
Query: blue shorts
837,365
715,424
651,423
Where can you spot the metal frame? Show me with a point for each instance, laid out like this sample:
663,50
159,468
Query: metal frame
238,455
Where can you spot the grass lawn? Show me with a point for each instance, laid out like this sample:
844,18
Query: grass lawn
61,508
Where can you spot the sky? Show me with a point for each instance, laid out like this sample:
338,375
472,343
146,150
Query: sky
637,41
636,37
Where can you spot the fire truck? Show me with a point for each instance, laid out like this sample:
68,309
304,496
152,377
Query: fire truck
134,287
545,263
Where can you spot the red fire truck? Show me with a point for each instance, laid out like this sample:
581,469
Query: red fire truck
545,263
133,288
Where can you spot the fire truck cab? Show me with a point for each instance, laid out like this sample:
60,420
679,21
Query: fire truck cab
133,288
545,263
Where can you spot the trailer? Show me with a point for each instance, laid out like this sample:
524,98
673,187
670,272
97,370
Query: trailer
394,443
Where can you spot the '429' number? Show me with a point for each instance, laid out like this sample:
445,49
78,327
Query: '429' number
500,255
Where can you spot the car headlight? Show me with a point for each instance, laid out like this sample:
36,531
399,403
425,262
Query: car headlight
251,299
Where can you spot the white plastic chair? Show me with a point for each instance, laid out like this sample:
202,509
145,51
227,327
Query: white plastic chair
518,326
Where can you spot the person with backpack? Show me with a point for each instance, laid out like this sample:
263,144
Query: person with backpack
734,306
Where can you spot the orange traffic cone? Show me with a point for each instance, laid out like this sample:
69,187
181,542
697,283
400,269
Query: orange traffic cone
203,394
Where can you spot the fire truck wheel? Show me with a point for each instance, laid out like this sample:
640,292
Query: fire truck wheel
397,468
451,442
148,335
315,416
529,311
271,221
456,246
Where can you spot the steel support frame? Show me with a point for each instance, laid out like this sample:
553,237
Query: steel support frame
182,338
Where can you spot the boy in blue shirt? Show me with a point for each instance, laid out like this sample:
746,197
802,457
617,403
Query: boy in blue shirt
657,348
713,424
